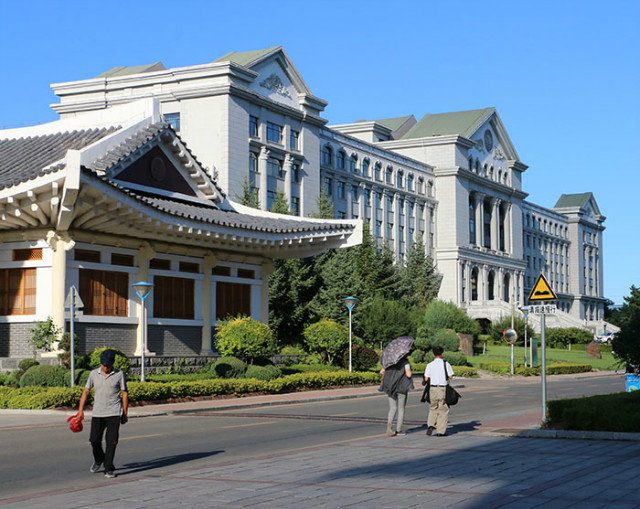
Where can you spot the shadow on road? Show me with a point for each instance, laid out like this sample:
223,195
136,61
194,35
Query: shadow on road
452,429
132,468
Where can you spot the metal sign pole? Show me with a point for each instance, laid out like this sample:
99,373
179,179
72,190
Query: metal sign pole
512,358
544,368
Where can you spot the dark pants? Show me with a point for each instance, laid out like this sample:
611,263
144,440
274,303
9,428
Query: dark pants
98,425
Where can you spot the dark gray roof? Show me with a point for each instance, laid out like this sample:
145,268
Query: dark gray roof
208,212
23,159
142,136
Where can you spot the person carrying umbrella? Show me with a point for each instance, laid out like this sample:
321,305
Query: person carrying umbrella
396,380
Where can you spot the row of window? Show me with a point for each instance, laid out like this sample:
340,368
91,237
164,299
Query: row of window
488,171
106,293
327,157
531,221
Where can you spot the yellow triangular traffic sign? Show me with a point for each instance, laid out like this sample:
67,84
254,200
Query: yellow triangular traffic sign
542,290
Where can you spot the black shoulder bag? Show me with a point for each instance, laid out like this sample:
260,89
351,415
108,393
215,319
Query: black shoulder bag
451,396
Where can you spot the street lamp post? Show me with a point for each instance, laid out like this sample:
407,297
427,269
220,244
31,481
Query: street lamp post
350,302
143,290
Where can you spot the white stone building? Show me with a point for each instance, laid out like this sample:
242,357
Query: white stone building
453,179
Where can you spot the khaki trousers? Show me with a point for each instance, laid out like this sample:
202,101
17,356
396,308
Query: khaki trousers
438,410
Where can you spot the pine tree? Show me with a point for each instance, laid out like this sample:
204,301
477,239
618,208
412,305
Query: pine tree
324,206
249,196
419,280
281,204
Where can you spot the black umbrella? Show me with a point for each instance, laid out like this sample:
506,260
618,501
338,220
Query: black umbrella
396,350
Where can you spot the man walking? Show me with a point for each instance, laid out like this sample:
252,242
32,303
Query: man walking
110,406
438,372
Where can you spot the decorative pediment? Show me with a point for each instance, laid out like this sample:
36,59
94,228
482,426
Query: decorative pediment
492,140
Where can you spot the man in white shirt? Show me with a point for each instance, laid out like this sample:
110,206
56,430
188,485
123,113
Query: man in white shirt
438,378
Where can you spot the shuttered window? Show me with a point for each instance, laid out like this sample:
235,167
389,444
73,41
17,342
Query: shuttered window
17,291
104,292
232,299
173,297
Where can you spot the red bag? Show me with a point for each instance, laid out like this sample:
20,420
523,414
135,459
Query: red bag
76,424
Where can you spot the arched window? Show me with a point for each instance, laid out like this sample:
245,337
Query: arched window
327,155
365,167
352,163
491,173
378,171
340,159
474,283
477,166
491,285
430,188
410,182
399,179
389,179
471,164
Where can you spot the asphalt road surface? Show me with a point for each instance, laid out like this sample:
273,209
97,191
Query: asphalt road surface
43,455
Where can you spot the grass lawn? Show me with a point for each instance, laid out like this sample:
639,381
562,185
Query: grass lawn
502,353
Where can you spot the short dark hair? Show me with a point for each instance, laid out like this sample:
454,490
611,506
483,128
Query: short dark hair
437,350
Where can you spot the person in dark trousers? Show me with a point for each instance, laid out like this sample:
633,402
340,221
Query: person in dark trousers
110,407
438,408
397,383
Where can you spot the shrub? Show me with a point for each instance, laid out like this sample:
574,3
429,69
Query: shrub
453,358
504,368
7,380
122,361
25,364
46,376
446,315
43,336
65,346
246,338
560,337
417,356
228,367
327,338
263,372
363,358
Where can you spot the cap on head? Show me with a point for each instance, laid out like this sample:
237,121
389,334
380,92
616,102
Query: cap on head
107,358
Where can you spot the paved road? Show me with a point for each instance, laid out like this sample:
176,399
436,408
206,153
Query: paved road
324,453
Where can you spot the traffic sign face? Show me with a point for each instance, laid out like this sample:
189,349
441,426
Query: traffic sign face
542,290
543,309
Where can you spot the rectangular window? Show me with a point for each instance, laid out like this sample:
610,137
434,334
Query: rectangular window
247,273
296,173
295,205
274,168
328,188
193,268
253,126
341,190
274,133
23,255
221,270
232,299
173,297
85,255
294,138
173,119
160,264
17,291
104,292
122,259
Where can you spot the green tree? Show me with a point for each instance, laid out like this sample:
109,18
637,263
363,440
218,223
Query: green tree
327,338
419,282
281,204
249,196
446,315
626,344
44,335
324,206
383,320
292,286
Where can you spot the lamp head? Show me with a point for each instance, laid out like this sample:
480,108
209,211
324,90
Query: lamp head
350,302
142,288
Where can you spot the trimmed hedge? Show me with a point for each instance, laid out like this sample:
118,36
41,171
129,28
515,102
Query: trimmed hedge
460,371
611,412
39,398
504,368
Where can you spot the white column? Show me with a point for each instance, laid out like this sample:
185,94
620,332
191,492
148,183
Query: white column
495,226
288,175
145,253
483,293
262,168
60,244
479,197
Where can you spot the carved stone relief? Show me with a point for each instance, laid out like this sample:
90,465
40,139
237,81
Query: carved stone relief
274,83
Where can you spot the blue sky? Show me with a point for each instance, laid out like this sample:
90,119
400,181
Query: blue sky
563,75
